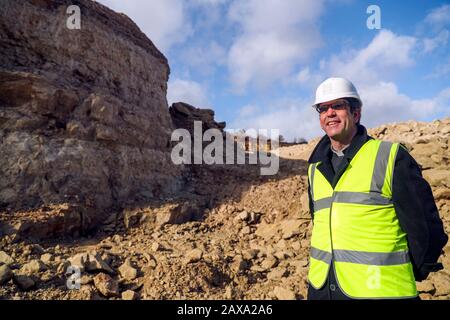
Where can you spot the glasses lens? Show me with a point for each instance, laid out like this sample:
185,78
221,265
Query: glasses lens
336,106
321,109
339,106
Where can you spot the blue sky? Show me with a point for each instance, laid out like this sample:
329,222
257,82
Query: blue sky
257,63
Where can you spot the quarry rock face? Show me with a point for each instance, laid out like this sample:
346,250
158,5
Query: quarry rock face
84,119
184,115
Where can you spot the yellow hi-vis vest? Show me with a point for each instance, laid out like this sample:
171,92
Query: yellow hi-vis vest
356,227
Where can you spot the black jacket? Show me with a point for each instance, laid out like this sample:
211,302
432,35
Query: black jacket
413,202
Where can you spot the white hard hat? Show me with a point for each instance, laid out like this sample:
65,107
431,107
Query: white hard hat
335,88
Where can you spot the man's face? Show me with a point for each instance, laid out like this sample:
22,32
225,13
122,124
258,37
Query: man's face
340,123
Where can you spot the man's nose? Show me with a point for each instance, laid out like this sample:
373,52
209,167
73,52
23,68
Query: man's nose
330,112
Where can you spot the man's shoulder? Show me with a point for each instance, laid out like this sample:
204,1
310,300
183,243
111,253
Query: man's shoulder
406,160
400,144
320,150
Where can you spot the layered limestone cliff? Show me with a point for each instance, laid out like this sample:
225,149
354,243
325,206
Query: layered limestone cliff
84,119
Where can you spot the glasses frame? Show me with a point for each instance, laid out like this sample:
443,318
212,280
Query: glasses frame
335,106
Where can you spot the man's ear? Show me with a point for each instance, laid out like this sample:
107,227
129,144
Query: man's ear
357,114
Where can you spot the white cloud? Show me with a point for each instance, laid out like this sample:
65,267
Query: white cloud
264,15
208,2
248,111
307,78
208,15
165,22
369,68
303,76
434,24
204,59
384,103
187,91
386,53
442,104
294,119
268,49
430,44
439,17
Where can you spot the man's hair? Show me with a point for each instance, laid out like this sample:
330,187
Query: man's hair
354,105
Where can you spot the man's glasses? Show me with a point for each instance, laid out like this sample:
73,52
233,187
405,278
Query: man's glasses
334,106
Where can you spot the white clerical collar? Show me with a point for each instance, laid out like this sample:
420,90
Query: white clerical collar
339,153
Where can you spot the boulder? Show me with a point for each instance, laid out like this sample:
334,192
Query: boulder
24,282
5,274
290,228
129,295
106,285
90,262
33,267
127,271
183,116
283,293
6,258
192,256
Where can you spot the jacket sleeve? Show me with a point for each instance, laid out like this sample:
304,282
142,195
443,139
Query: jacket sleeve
418,215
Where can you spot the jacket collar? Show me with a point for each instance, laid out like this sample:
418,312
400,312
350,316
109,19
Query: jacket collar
322,152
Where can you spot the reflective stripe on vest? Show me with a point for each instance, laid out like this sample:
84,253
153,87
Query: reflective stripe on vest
362,257
356,227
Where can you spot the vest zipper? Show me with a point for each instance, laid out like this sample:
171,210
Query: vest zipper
331,237
331,245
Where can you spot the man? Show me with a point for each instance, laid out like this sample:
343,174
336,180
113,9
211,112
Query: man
376,228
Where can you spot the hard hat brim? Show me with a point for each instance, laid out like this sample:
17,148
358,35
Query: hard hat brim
337,96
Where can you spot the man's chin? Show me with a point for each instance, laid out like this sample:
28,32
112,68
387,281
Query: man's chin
333,133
